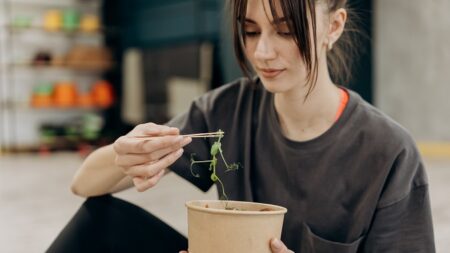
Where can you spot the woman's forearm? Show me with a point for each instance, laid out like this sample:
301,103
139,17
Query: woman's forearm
99,175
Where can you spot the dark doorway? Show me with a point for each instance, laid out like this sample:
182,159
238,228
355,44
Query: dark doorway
362,80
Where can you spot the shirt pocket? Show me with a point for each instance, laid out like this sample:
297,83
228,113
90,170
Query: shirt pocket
312,243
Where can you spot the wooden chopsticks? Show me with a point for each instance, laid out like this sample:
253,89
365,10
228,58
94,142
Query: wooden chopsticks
198,135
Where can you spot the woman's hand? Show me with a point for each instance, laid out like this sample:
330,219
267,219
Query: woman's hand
276,245
145,160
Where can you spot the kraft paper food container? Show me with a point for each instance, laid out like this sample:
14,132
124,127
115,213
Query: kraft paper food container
232,226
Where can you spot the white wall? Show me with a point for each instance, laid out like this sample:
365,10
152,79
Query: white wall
412,69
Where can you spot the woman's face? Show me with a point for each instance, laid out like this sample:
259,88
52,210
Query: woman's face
271,49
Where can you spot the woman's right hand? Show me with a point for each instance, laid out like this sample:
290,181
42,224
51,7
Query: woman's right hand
145,160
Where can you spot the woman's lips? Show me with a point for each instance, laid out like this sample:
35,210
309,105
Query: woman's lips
270,73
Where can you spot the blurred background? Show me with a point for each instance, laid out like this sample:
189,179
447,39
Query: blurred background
76,74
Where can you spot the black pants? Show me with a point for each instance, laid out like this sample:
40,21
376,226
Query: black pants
108,224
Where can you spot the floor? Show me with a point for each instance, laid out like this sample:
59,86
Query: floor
36,202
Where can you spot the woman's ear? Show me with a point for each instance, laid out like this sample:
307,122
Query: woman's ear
336,26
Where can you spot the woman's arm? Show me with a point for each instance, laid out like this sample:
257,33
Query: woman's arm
100,175
130,160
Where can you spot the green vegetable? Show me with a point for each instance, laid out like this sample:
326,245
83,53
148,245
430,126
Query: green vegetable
216,149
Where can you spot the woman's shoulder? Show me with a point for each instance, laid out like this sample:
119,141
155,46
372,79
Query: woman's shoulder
378,125
387,141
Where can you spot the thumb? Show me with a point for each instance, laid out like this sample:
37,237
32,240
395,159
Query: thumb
278,246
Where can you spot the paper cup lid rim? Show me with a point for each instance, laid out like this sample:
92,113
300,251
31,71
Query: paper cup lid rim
280,209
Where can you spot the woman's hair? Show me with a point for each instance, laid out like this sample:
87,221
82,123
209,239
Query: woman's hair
301,17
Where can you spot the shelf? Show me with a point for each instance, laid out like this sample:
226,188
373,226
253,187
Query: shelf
108,66
54,108
18,105
56,3
27,41
96,33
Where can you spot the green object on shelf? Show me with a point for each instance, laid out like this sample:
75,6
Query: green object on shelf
91,126
71,133
43,89
71,20
48,135
21,21
91,135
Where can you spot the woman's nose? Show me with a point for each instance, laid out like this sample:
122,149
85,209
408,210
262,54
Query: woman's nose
265,49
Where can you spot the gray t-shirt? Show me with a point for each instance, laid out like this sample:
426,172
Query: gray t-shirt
359,187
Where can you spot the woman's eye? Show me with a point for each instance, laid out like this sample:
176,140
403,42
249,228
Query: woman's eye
251,33
285,34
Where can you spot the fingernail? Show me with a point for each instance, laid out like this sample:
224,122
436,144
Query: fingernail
276,244
180,152
187,140
179,138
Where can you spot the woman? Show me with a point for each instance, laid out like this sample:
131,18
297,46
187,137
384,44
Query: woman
351,178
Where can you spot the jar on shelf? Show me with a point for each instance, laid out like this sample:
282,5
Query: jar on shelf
21,21
65,94
71,20
90,23
102,92
42,95
52,20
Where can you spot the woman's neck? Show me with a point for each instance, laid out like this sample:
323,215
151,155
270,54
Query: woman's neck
302,119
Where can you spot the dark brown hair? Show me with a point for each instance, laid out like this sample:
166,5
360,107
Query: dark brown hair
296,13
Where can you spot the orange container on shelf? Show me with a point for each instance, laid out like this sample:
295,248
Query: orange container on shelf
85,100
102,93
65,94
42,95
41,101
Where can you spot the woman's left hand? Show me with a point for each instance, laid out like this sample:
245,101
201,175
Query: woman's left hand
276,245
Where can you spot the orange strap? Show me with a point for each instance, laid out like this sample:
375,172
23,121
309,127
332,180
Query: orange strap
343,104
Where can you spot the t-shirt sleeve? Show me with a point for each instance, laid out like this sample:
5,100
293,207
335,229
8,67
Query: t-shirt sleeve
193,121
402,221
403,227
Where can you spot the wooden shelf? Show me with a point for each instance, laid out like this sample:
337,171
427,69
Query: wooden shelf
64,67
96,33
74,108
25,105
55,4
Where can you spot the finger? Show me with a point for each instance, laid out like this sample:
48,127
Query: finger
183,251
140,170
128,160
143,184
157,168
278,246
131,145
152,129
143,170
158,154
131,160
143,166
166,161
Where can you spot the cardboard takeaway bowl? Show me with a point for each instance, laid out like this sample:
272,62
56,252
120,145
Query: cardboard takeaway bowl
242,227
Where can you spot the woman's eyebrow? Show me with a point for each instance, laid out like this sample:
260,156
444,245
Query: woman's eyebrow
276,21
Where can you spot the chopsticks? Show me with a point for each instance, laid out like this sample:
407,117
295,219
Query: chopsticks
205,135
217,134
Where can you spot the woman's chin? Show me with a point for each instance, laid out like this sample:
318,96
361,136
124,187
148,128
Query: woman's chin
273,86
